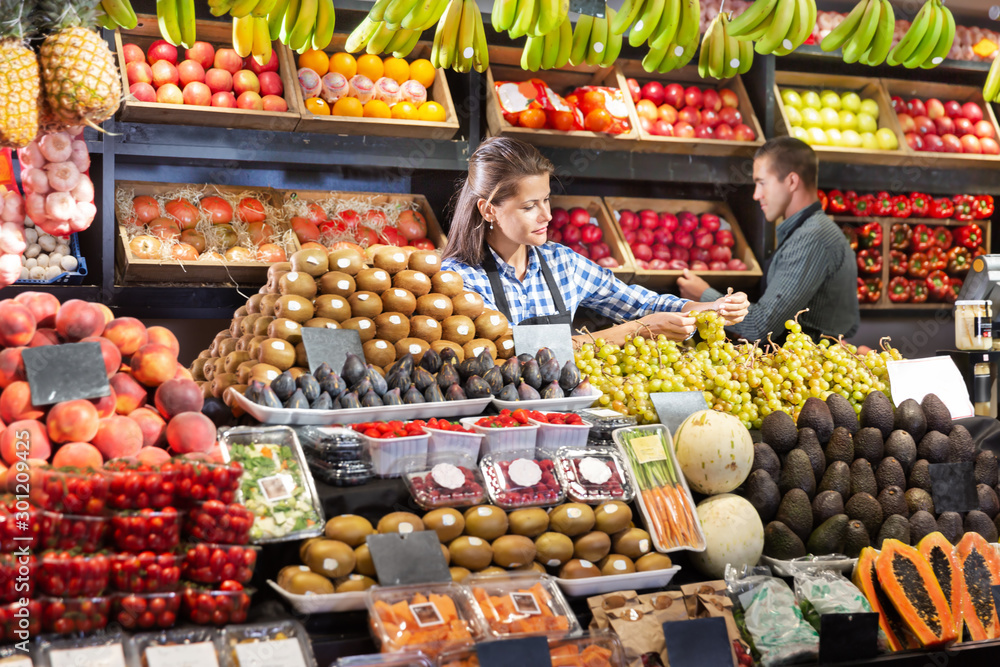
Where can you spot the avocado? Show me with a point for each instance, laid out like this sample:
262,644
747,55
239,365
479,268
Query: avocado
935,447
903,448
797,473
778,430
868,445
765,459
876,412
865,509
918,499
960,445
937,414
796,513
825,505
978,522
763,494
893,528
989,504
862,478
986,468
810,445
842,412
893,501
781,543
829,537
910,418
949,524
816,415
922,523
837,478
840,447
920,476
889,473
855,539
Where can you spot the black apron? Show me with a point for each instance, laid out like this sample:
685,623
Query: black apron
561,317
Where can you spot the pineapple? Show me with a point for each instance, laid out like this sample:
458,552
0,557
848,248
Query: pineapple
80,80
19,82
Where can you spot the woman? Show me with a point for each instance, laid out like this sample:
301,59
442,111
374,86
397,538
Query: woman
497,242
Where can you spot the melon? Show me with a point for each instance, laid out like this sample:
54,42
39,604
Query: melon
733,534
714,450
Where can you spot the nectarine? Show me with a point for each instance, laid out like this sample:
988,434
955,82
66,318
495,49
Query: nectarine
109,351
17,324
72,421
176,396
11,366
42,305
78,455
153,456
154,428
106,404
129,394
153,364
190,432
78,319
164,336
118,437
127,333
25,436
15,403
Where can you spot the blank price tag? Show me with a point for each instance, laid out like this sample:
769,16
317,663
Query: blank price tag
92,656
201,654
699,642
953,487
915,378
848,637
412,558
58,373
530,338
673,407
276,653
591,7
523,652
331,346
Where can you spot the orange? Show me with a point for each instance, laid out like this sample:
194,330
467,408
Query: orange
377,109
597,120
315,60
318,106
371,66
348,106
344,63
423,71
397,69
404,111
562,120
533,118
432,111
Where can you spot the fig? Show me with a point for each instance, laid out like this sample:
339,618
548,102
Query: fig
297,401
252,392
508,393
549,371
455,393
544,355
526,392
268,398
378,382
333,384
336,404
363,387
283,386
494,379
392,397
405,363
525,358
530,374
569,377
476,387
447,376
422,378
354,369
448,356
324,402
486,362
553,390
511,371
370,400
322,371
431,361
433,394
398,379
349,401
413,396
468,368
582,389
309,387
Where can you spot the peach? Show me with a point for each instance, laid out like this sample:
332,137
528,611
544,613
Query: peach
127,333
176,396
165,337
250,100
164,73
11,366
219,80
42,305
183,373
72,421
274,103
118,437
108,315
143,92
169,93
15,403
201,52
161,49
45,337
190,432
17,324
109,351
189,71
228,60
133,53
153,456
153,426
25,435
78,455
153,364
224,100
106,404
78,319
138,72
129,394
197,94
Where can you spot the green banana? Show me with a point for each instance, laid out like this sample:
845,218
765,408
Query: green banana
598,41
644,26
302,32
581,39
751,18
625,17
945,42
288,22
377,12
772,39
275,18
424,15
991,89
550,49
666,29
531,55
758,31
358,39
550,15
219,7
746,55
506,16
186,21
396,11
379,39
929,42
565,43
861,40
911,40
882,41
732,66
614,43
715,44
687,32
839,35
527,17
242,8
166,17
398,39
121,13
704,54
105,21
326,19
263,8
803,22
651,61
680,57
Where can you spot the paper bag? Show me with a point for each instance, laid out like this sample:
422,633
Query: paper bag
640,632
601,604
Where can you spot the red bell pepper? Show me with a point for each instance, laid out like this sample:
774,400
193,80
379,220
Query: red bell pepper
837,202
919,292
823,201
963,208
862,291
901,207
883,203
863,207
937,284
901,235
898,263
922,239
969,236
871,235
850,196
942,208
874,289
900,290
956,287
942,237
978,251
921,204
959,260
870,261
982,207
937,259
919,268
851,234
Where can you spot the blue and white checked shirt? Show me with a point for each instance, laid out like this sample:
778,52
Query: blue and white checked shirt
581,282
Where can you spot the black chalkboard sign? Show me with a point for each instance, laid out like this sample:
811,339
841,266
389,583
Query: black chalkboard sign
523,652
591,7
699,642
953,487
58,373
330,346
530,338
673,407
411,558
848,637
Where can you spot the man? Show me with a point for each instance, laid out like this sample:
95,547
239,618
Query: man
813,266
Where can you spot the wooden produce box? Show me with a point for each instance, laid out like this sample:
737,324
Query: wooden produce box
665,279
944,92
863,86
688,76
505,65
218,34
382,127
132,269
612,233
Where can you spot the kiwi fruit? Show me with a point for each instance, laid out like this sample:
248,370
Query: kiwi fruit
331,558
470,552
241,312
248,322
424,261
311,260
267,304
400,522
414,281
304,583
448,523
616,564
379,352
435,305
446,554
633,542
373,280
458,329
399,300
243,342
321,323
304,547
223,381
236,326
532,567
592,546
553,549
505,346
513,551
612,516
572,519
492,571
350,529
253,303
653,561
363,561
301,356
364,326
425,328
440,345
448,283
469,304
234,359
278,353
254,346
491,324
346,260
229,344
390,259
333,306
486,521
476,346
355,583
294,308
392,327
285,573
336,282
245,371
579,569
285,329
530,522
365,304
260,326
414,346
459,574
264,373
297,283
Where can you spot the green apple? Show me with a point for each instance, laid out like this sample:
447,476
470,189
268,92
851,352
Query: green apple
851,102
830,99
794,117
870,107
867,123
817,137
830,118
791,98
850,139
811,99
869,141
848,121
811,118
887,140
834,137
801,133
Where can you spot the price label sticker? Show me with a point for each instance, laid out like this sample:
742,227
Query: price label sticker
648,448
276,653
201,654
525,603
91,656
276,488
426,614
16,661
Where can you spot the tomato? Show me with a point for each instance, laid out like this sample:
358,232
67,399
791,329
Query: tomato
349,217
412,225
422,244
315,214
597,120
375,218
218,209
391,236
332,228
305,229
230,585
533,118
365,236
183,211
251,210
146,208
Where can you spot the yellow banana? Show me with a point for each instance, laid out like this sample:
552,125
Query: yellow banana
480,49
219,7
748,21
425,15
704,54
377,12
732,57
288,23
358,39
550,15
783,15
581,39
666,29
746,55
407,47
527,17
186,22
687,32
598,41
261,48
242,8
614,45
911,40
929,42
275,18
565,43
302,32
467,36
243,35
991,89
397,10
715,43
448,26
399,38
839,35
944,42
166,17
648,20
326,19
380,39
121,12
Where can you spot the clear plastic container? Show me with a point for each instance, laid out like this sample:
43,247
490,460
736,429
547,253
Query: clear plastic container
444,445
202,478
331,444
147,530
391,457
596,648
146,572
209,607
447,485
219,523
974,325
400,659
145,611
553,436
603,421
19,524
521,481
136,485
66,489
274,642
11,616
65,616
523,604
11,579
190,645
593,474
12,656
215,563
69,531
276,484
72,574
346,473
429,617
106,649
506,441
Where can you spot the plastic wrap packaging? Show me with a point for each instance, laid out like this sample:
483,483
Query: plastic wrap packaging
336,455
191,645
273,642
820,592
107,650
526,604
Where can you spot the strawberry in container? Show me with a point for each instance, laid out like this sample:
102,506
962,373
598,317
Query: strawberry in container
72,531
15,582
200,479
219,523
135,485
215,563
73,574
147,530
70,615
593,474
67,489
446,485
146,572
521,482
229,604
142,611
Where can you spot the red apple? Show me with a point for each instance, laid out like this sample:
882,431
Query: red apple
641,264
663,236
626,219
687,221
629,237
642,251
270,84
933,143
720,253
704,132
555,235
653,91
898,105
634,89
744,132
972,111
699,266
710,118
133,53
970,144
645,236
677,265
709,222
916,108
907,123
737,265
164,73
729,98
228,60
662,128
711,100
669,221
219,80
591,234
190,70
274,103
963,126
647,125
138,72
225,100
245,80
717,266
952,144
699,254
258,69
944,125
693,97
724,132
674,95
143,92
924,125
161,50
579,216
682,254
690,115
989,146
983,130
730,116
661,251
169,93
684,130
703,238
579,249
914,141
683,239
250,100
667,113
953,108
201,52
648,219
608,262
560,218
599,251
658,265
197,94
724,237
935,108
571,234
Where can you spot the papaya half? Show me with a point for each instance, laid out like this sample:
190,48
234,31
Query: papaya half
890,622
910,584
978,571
937,550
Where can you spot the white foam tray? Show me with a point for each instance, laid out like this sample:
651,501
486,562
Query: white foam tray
578,588
322,604
550,404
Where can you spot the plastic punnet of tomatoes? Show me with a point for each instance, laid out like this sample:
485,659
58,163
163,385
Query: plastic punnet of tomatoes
66,490
63,573
12,615
135,485
19,524
70,615
147,530
72,531
142,611
219,523
215,563
204,606
146,572
11,578
200,479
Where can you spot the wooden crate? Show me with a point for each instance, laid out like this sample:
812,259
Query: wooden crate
382,127
131,269
661,279
866,88
688,76
505,65
218,34
612,233
944,91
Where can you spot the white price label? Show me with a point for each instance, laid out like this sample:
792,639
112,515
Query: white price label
91,656
277,653
16,661
201,654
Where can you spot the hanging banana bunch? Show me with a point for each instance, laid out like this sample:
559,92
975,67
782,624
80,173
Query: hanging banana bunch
674,39
930,37
535,18
112,14
549,52
460,39
176,21
865,36
416,15
776,26
593,42
722,55
299,24
991,90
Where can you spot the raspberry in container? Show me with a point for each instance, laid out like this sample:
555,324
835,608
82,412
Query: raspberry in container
597,648
20,524
216,522
136,485
457,484
593,474
558,429
144,611
64,616
201,477
147,530
146,572
521,481
65,489
15,584
185,646
73,574
71,531
523,604
228,604
215,563
505,433
275,642
12,615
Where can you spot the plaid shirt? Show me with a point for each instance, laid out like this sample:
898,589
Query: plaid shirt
581,283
